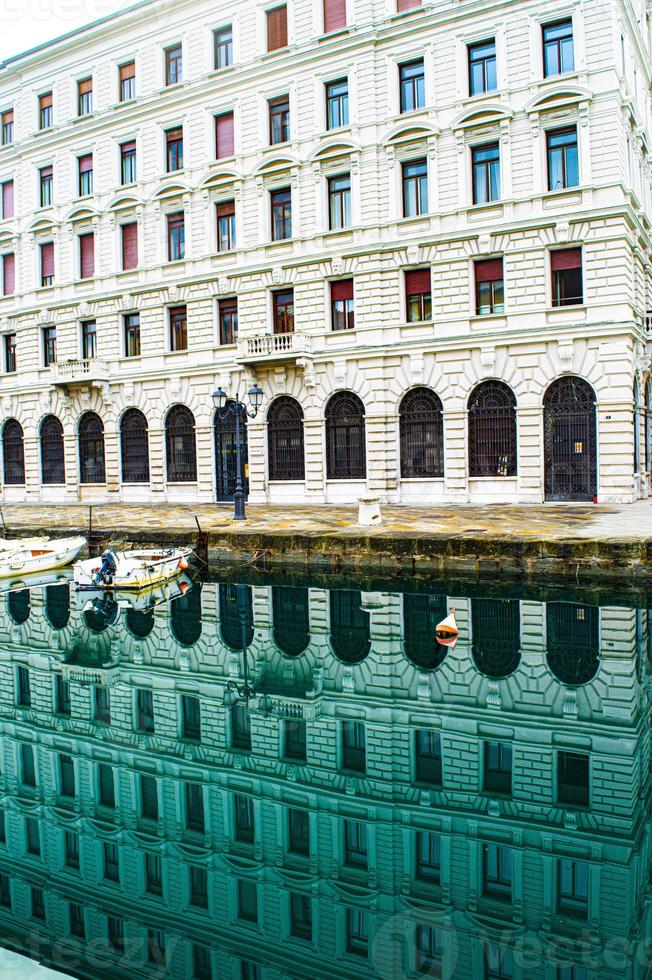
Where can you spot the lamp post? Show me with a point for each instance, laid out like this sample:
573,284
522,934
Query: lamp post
245,690
227,407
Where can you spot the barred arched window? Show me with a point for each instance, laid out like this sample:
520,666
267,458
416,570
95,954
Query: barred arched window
492,430
291,625
496,636
134,447
345,438
53,467
285,440
236,616
140,622
18,603
421,426
421,614
185,617
57,605
349,622
13,453
91,449
572,642
180,446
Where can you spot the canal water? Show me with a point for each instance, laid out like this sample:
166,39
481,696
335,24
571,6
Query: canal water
260,780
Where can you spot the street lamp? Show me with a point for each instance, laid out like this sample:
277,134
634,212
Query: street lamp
245,690
226,407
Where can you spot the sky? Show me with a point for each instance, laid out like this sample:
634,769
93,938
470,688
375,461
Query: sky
26,23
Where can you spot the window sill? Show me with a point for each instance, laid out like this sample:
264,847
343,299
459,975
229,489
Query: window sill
417,323
413,219
491,207
84,117
492,479
338,32
491,95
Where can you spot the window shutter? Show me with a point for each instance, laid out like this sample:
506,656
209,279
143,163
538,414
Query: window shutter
407,4
130,246
85,86
45,101
225,209
8,199
127,71
342,289
277,28
8,273
8,117
128,147
224,135
489,270
46,173
566,258
87,255
417,282
86,163
47,259
334,15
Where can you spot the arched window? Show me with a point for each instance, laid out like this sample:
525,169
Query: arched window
345,438
18,602
573,642
421,426
91,449
57,605
180,445
140,622
13,453
53,467
349,626
185,617
285,440
291,625
492,430
637,428
421,614
496,636
236,616
134,447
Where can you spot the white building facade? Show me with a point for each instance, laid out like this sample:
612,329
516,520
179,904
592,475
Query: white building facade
423,232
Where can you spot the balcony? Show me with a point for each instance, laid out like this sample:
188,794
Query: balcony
87,371
272,347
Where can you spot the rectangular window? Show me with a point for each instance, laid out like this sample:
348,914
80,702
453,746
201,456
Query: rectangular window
244,818
224,135
418,295
573,888
355,844
47,263
85,165
174,149
299,832
563,163
294,739
279,120
225,226
88,340
201,963
132,334
115,933
8,274
281,202
357,935
277,28
573,769
415,188
32,836
240,727
429,949
106,785
10,353
198,887
111,862
407,4
153,874
482,67
77,925
498,768
223,47
427,757
339,202
567,285
148,798
102,705
485,163
342,305
8,199
498,962
489,287
85,97
87,256
337,103
195,808
7,127
247,900
412,85
283,310
23,687
428,857
558,54
190,718
497,867
71,850
176,237
66,775
156,948
129,243
173,64
50,357
334,15
300,916
145,711
38,903
128,163
46,178
27,766
354,752
127,78
45,110
178,328
228,318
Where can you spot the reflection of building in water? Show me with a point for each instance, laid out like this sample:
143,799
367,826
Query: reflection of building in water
390,809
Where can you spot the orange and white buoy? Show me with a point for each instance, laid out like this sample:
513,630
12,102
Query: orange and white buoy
447,632
183,564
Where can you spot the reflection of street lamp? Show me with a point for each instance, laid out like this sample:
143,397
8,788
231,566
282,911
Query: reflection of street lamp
245,691
226,407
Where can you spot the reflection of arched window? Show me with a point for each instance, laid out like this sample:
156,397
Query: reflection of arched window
421,614
496,636
236,610
13,453
349,627
637,428
91,449
140,623
18,604
345,438
134,447
421,424
57,605
291,626
180,446
285,440
53,468
96,619
185,617
573,642
492,430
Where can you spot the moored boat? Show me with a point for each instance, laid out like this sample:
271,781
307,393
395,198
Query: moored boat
131,570
28,558
447,632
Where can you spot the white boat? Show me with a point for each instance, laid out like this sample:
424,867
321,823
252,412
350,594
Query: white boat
27,558
131,570
14,544
447,632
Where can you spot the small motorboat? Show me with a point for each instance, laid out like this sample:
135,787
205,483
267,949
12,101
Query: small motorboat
447,632
27,558
13,544
131,570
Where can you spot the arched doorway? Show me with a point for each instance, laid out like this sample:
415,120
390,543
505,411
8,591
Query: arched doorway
345,437
421,430
285,440
569,440
226,475
13,453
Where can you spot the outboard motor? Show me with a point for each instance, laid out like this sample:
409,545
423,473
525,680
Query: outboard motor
106,572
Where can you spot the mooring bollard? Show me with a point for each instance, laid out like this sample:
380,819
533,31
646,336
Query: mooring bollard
369,511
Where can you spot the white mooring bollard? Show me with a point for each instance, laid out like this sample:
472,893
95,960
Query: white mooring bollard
369,511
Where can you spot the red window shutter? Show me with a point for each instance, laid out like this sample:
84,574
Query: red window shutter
8,199
45,101
407,4
334,15
224,135
127,71
47,259
489,270
130,246
566,258
87,255
128,147
46,172
85,86
417,282
342,289
8,273
225,209
86,163
277,28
